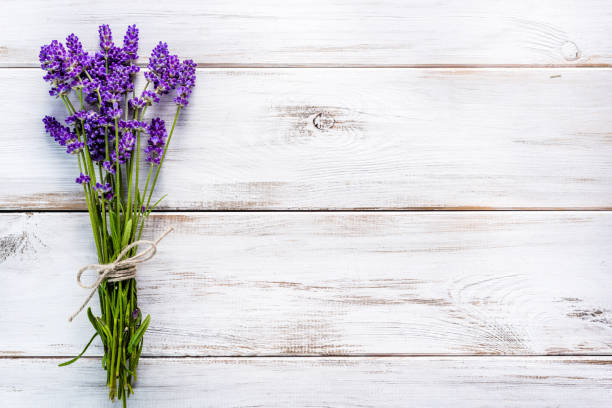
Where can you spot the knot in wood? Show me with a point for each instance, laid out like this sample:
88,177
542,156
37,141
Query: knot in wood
323,121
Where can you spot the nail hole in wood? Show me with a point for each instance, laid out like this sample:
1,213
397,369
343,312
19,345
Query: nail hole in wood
570,51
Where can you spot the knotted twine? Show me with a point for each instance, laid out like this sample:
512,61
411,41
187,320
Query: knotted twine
120,269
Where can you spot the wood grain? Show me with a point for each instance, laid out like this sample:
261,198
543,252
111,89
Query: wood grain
472,105
228,284
327,33
319,382
304,139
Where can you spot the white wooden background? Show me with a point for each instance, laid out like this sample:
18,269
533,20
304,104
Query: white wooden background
376,203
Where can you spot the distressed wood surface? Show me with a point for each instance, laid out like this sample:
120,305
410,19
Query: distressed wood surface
226,284
447,105
320,382
329,33
350,139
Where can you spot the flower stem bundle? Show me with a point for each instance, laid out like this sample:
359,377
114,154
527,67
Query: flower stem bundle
108,134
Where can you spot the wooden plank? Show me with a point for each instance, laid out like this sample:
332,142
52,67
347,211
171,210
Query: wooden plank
320,32
350,138
321,382
223,284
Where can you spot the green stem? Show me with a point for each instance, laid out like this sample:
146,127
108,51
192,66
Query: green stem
117,169
161,162
120,332
141,216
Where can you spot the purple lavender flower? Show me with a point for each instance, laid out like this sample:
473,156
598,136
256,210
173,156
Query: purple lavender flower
53,60
52,57
63,135
137,103
91,125
115,112
96,142
104,190
119,81
111,70
106,37
108,166
77,59
130,42
163,69
186,81
150,97
56,130
132,125
73,146
83,179
82,115
157,141
126,143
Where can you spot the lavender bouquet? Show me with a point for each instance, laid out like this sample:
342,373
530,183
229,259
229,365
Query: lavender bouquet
103,131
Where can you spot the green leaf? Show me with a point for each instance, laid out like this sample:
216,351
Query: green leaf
95,324
114,230
127,369
126,234
104,328
79,356
139,333
156,204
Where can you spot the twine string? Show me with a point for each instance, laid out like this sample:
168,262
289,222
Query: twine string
120,269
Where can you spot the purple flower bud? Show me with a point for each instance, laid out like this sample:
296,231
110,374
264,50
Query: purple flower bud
186,81
163,69
54,60
77,60
150,97
83,179
73,146
63,135
103,188
135,313
114,113
108,166
106,37
157,140
137,103
105,191
130,42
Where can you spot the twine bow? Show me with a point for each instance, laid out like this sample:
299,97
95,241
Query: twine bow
120,269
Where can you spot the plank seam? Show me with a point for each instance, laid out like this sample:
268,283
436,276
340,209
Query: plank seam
341,356
341,66
347,210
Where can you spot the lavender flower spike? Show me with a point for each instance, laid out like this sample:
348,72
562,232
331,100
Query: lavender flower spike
186,81
157,141
130,42
53,60
63,135
78,60
106,37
